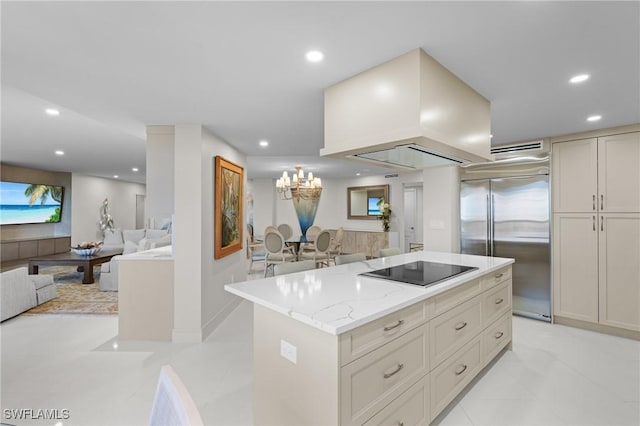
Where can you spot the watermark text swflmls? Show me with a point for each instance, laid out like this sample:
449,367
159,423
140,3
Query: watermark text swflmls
36,414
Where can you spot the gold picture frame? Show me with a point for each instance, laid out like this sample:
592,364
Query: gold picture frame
229,181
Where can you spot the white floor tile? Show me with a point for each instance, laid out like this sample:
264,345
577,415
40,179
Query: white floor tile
493,412
554,375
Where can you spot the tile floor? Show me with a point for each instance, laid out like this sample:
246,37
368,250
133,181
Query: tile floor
555,375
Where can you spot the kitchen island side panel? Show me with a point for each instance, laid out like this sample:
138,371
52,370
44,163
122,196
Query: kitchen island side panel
304,392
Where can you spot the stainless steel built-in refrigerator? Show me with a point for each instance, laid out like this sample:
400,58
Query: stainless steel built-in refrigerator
504,209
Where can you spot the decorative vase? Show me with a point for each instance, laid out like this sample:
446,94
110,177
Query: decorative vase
306,204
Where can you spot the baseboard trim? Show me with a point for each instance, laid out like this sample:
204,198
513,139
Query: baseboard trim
217,319
620,332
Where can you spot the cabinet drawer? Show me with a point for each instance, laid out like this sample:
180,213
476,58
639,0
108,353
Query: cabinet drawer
497,302
363,340
450,298
410,408
453,329
496,337
28,249
46,247
374,380
495,278
452,376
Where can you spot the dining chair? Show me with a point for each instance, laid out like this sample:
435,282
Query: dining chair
285,230
320,255
336,243
277,251
172,403
343,259
291,267
391,251
255,249
311,235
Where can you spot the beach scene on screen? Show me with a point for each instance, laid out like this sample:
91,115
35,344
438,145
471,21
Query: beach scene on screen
29,203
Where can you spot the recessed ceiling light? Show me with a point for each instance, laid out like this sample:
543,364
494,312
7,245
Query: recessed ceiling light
52,111
58,152
357,174
116,176
264,143
594,118
579,78
135,169
315,56
490,136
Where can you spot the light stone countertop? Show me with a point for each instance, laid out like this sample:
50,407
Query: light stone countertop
337,299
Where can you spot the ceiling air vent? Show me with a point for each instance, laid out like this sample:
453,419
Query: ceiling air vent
508,149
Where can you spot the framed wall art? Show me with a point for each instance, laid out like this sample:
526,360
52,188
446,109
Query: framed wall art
229,178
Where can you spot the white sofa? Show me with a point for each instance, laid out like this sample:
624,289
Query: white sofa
109,270
129,240
20,291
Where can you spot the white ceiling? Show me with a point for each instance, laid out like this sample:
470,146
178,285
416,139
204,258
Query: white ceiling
239,70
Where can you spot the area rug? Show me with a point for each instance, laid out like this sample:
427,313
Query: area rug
75,297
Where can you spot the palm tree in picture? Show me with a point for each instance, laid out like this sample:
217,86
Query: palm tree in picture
42,192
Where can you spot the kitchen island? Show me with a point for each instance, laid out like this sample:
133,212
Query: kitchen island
335,347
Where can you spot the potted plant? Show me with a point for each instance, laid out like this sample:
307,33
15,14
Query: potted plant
385,213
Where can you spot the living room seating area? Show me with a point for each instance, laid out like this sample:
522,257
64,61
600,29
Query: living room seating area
130,241
21,291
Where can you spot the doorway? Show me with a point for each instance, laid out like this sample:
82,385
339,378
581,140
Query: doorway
413,217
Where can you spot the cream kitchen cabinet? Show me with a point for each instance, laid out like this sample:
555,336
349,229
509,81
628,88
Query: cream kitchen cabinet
597,174
619,173
596,231
575,266
619,270
575,176
403,367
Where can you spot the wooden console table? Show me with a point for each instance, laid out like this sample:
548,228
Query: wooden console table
26,248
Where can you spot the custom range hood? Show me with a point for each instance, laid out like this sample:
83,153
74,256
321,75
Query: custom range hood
409,113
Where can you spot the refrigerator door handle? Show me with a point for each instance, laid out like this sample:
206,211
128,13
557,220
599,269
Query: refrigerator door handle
486,241
493,227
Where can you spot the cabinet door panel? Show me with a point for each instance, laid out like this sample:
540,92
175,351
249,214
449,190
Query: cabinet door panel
575,177
619,173
620,270
575,266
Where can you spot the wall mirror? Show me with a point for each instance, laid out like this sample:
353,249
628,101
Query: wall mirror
362,201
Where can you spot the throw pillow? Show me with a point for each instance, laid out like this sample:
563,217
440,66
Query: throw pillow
159,242
134,235
143,244
156,233
113,237
130,247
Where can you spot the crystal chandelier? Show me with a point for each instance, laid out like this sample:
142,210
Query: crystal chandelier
298,187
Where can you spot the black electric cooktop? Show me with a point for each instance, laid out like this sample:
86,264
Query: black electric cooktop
420,273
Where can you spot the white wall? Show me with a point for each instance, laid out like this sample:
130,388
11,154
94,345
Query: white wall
264,203
441,192
159,203
216,302
88,193
200,301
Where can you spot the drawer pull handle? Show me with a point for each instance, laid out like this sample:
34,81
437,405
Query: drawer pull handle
394,372
499,334
499,301
396,325
499,275
461,326
464,368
